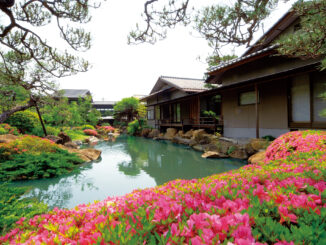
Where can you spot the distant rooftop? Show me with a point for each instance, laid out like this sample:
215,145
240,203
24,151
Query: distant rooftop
104,102
75,93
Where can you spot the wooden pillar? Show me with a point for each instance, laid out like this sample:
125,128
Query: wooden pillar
198,108
257,110
170,113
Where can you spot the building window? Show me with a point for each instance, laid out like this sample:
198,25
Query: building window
157,112
176,113
150,114
300,98
308,102
248,98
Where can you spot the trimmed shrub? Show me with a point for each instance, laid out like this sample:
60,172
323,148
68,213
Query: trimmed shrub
38,131
13,207
7,129
25,121
44,165
87,127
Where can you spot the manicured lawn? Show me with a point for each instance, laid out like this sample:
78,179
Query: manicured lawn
282,201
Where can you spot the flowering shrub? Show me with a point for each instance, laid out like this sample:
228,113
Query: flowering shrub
282,202
7,129
27,143
104,130
298,141
91,132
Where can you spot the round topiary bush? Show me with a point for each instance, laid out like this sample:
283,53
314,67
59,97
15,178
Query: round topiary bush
298,141
25,121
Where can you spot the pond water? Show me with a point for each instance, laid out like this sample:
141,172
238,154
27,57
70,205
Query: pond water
128,163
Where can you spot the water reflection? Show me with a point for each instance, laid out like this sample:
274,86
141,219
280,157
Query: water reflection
165,161
127,164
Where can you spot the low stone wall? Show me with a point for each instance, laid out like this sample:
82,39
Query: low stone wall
212,146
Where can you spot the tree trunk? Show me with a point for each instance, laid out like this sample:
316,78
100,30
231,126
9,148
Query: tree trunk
41,120
6,114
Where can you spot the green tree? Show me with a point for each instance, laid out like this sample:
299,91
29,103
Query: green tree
235,24
128,107
59,112
27,59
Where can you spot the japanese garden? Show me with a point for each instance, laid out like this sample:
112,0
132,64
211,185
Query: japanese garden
235,157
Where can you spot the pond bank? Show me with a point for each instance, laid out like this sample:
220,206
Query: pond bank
213,146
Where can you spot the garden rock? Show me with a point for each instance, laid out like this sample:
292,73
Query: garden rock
6,138
54,139
145,132
189,134
71,145
259,157
170,133
180,140
198,134
259,144
154,133
65,138
92,140
223,146
78,142
198,147
238,153
211,154
86,155
249,149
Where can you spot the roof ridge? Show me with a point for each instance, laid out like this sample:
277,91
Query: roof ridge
185,78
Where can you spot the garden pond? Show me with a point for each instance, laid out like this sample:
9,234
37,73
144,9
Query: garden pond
128,163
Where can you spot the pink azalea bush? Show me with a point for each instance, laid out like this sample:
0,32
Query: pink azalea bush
281,202
90,132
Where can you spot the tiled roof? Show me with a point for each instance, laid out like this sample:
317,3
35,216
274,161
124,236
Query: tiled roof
231,62
185,83
104,102
74,93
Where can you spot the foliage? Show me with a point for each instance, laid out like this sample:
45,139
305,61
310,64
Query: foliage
44,165
235,23
281,202
309,41
129,108
62,113
86,126
27,59
76,134
211,114
33,144
136,126
91,132
38,131
25,121
7,129
268,137
104,130
13,207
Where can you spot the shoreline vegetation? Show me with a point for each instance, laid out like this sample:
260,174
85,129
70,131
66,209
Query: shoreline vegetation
281,200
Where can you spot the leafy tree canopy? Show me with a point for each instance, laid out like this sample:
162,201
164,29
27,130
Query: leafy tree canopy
235,23
27,59
130,108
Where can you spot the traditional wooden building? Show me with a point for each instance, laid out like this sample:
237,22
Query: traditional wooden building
264,93
74,94
176,102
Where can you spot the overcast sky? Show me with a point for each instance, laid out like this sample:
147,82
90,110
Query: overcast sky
120,70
